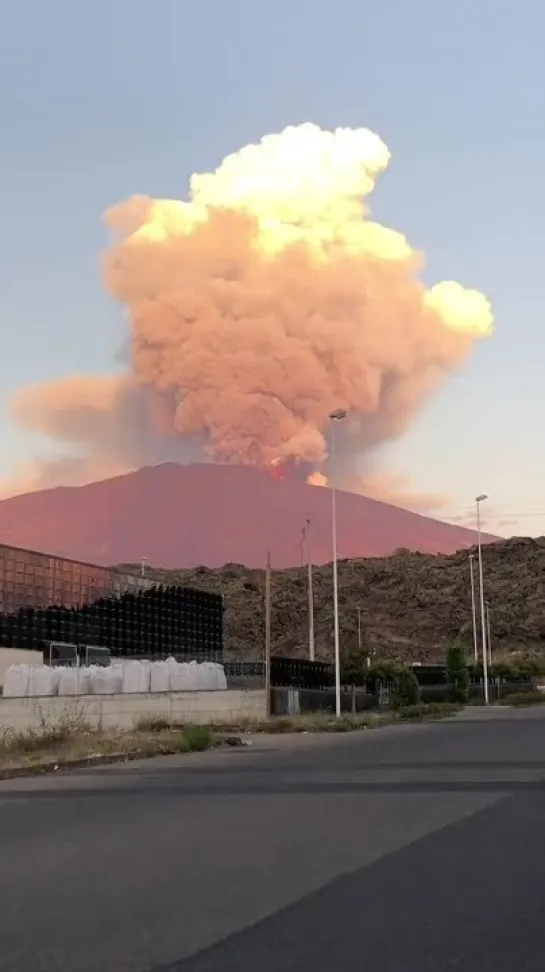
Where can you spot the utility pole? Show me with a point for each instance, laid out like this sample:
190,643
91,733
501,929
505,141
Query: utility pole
489,642
310,585
268,633
338,415
473,611
478,500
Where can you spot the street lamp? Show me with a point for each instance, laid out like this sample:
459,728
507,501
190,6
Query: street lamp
310,591
478,500
473,611
336,416
488,637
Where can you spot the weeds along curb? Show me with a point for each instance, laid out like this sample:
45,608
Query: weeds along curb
54,766
218,741
59,765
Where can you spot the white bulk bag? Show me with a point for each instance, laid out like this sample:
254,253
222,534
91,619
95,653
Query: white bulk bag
175,677
221,678
181,679
159,676
185,677
136,677
116,678
107,681
16,681
100,681
68,680
207,677
194,676
41,681
85,679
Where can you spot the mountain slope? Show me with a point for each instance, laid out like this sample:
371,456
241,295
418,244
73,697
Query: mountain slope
412,605
184,516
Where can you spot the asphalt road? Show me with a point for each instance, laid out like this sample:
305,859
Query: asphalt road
408,849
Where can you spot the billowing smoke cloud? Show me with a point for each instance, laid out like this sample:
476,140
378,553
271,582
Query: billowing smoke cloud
257,307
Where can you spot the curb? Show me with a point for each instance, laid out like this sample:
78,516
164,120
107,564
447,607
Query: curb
56,766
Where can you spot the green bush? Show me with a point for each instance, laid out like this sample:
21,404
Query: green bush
410,712
457,672
521,699
198,738
406,690
353,666
384,671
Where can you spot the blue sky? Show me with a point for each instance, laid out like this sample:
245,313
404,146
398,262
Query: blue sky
101,100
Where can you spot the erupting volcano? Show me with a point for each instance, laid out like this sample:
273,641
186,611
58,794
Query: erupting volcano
256,307
208,514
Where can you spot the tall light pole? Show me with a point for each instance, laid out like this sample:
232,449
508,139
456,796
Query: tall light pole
336,416
268,633
306,541
488,638
473,611
478,500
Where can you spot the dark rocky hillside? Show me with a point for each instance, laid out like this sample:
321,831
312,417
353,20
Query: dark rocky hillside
412,604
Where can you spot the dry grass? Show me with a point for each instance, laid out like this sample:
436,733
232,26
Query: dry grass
71,740
523,699
327,722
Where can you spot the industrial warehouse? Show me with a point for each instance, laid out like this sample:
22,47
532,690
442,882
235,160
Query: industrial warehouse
47,600
121,645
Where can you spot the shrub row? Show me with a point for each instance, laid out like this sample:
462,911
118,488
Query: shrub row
521,699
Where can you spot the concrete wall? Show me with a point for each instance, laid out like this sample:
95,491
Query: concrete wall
285,701
17,656
123,711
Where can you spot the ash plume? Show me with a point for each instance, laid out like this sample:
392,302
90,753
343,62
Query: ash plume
255,308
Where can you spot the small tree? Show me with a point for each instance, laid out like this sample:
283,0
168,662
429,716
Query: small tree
406,690
353,665
383,671
457,672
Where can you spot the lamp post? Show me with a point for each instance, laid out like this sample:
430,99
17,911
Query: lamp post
310,585
336,416
478,500
359,630
488,636
473,611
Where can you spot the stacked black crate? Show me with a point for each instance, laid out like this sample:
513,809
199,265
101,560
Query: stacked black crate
142,623
156,622
167,618
182,618
128,602
115,618
103,623
6,626
5,632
